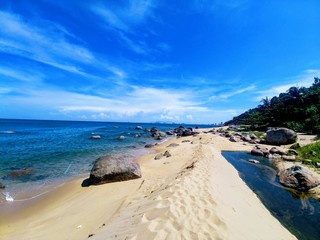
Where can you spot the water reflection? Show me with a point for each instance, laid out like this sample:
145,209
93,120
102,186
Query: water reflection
298,211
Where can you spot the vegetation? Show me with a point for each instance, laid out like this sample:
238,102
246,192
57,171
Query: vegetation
297,109
310,151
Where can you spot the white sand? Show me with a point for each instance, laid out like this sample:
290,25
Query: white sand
194,194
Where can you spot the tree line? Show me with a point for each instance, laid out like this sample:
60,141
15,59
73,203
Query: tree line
297,109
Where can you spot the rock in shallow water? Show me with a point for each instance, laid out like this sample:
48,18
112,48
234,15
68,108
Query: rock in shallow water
113,169
299,178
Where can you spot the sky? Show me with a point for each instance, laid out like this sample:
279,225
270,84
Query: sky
195,61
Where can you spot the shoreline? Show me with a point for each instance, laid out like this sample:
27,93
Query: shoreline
194,194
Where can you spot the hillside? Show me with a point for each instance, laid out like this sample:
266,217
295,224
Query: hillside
297,108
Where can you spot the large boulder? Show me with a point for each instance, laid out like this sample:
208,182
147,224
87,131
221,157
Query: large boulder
299,178
113,169
281,136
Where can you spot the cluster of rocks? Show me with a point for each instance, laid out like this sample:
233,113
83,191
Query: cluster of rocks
160,155
237,136
274,152
296,177
184,132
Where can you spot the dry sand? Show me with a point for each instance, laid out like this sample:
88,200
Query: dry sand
194,194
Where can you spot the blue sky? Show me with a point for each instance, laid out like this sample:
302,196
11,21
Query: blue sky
195,61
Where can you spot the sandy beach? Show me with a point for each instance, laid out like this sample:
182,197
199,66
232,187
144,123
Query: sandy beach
194,194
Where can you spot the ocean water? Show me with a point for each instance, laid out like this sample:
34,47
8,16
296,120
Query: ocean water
35,154
298,212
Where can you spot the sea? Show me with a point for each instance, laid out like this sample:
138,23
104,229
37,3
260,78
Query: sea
37,154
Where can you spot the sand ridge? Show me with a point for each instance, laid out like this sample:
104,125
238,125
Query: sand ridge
194,194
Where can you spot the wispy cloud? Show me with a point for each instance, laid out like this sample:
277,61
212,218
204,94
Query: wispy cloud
230,93
124,20
127,16
53,45
25,76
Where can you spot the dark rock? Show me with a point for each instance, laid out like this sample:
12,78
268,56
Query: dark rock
185,141
257,152
275,150
252,136
95,137
121,137
281,136
147,130
154,129
313,153
148,146
167,154
234,139
138,128
292,152
158,156
170,132
295,146
113,169
173,145
158,135
21,173
299,178
2,186
246,138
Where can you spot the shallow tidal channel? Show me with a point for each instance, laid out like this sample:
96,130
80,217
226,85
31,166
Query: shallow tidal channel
299,213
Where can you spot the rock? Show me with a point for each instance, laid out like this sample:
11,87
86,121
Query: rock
184,132
234,139
138,135
295,146
148,146
121,137
113,169
256,152
293,152
158,156
185,141
154,129
147,130
299,178
246,138
253,136
167,154
281,136
173,145
95,137
21,173
158,135
307,161
2,186
313,153
170,132
288,158
253,161
138,128
275,150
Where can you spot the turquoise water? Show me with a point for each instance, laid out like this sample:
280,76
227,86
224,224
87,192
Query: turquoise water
57,150
298,212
